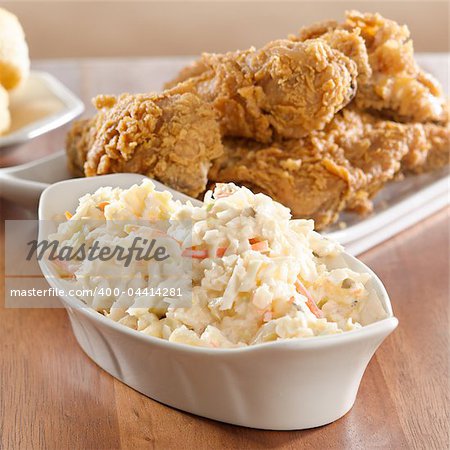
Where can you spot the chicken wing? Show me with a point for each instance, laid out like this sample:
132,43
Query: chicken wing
285,89
318,176
171,138
397,86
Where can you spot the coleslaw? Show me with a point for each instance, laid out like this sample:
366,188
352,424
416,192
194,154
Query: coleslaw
251,273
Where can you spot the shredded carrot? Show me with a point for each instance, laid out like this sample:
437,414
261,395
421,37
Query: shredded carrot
309,300
195,254
222,195
202,254
262,247
68,215
101,206
63,267
221,251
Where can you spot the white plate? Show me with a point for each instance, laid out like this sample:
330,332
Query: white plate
283,385
398,206
40,105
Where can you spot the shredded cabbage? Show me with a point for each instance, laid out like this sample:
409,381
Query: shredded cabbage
245,258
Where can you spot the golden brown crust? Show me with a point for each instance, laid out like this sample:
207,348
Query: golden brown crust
348,42
285,89
438,149
78,141
171,138
288,174
318,176
397,88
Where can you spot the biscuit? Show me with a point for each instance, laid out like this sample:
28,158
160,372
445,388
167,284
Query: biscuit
14,60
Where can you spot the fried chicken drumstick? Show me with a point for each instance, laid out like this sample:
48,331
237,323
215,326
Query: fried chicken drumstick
285,89
171,138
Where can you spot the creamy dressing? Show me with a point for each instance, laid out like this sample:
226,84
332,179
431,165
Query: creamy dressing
257,275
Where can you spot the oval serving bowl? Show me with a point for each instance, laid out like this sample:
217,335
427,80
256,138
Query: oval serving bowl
282,385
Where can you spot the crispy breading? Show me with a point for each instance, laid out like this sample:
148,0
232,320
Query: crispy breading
285,89
438,156
397,86
318,176
171,138
290,172
79,140
348,42
437,153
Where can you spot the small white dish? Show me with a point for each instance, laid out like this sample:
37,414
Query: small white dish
283,385
40,105
24,184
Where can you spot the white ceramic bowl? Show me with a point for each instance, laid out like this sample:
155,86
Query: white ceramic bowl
283,385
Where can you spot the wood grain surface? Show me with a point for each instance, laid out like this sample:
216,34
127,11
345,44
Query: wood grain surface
52,396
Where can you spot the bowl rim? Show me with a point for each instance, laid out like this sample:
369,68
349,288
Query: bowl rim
385,325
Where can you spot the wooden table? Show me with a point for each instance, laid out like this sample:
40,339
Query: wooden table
52,396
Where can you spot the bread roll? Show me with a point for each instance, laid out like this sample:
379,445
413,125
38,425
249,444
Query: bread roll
14,60
5,118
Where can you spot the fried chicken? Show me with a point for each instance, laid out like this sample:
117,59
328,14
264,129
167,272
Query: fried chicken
318,176
433,154
171,138
348,42
397,87
285,89
439,151
290,172
78,142
282,120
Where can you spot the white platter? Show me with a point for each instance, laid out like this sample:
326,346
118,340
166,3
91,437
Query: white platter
399,205
40,105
